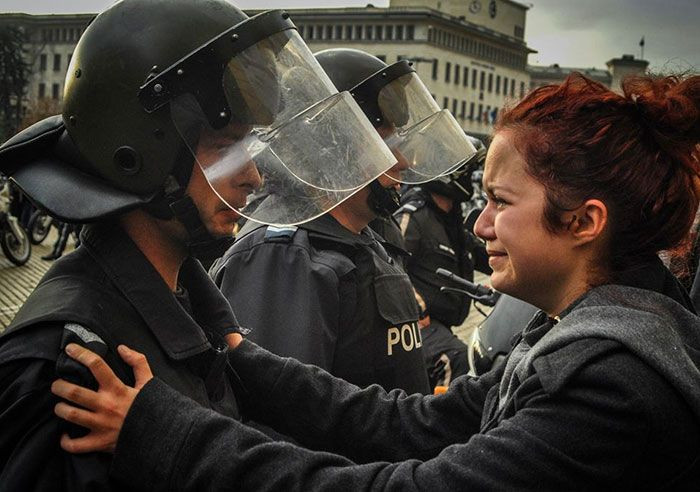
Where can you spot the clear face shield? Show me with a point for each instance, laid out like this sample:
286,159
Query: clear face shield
258,114
427,141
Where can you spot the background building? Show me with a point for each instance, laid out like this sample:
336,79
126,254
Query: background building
618,69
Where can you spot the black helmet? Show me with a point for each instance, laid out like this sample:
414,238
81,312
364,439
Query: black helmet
428,141
349,69
127,146
457,185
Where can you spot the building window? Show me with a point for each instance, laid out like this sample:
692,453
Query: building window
482,79
369,32
480,116
474,78
522,89
512,87
348,32
54,91
471,111
42,90
358,32
490,87
519,32
463,113
448,70
379,31
465,77
399,32
42,62
56,63
390,32
338,32
310,33
498,84
454,108
505,86
410,32
457,70
445,102
487,115
435,69
494,115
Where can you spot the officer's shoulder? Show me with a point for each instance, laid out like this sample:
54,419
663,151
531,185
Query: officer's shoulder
411,206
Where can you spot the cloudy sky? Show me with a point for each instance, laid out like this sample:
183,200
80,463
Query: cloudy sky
579,33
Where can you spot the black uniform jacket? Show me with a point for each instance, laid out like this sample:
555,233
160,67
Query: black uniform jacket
435,240
327,297
104,294
606,399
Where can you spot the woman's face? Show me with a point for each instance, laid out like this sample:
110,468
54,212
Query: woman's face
528,261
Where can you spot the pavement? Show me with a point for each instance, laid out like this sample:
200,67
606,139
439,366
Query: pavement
17,282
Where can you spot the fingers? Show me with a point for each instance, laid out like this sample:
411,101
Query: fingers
86,444
74,393
139,364
97,366
233,339
84,418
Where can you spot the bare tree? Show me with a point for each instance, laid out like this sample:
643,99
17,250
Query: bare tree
14,77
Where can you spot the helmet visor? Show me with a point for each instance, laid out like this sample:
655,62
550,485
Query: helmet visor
280,117
427,142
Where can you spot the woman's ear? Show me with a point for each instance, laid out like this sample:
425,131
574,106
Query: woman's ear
587,222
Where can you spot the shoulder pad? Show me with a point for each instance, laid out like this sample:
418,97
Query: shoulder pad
410,207
83,333
280,234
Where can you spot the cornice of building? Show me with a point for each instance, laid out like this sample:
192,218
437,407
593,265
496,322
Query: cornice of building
46,19
557,72
412,13
368,13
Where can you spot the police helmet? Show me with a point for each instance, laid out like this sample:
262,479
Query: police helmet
457,185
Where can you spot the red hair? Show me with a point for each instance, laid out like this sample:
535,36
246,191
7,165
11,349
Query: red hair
637,152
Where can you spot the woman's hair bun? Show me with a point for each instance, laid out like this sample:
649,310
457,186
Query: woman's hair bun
670,107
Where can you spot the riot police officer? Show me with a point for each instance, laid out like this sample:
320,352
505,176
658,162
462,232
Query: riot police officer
431,221
166,103
329,292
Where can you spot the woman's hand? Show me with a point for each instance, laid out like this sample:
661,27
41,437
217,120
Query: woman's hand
103,410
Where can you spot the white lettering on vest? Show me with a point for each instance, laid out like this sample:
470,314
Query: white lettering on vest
408,335
393,337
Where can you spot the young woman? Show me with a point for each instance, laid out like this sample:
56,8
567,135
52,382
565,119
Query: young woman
602,390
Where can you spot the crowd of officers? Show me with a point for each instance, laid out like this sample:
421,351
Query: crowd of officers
139,154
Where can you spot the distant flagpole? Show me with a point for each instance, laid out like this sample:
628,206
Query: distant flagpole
641,45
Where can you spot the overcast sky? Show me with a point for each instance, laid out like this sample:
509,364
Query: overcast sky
579,33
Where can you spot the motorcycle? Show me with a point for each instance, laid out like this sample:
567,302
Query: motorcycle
491,340
39,226
14,240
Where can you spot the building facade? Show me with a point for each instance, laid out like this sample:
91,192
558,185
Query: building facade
50,41
471,55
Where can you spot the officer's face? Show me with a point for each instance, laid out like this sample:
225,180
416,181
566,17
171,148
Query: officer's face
528,261
235,178
390,178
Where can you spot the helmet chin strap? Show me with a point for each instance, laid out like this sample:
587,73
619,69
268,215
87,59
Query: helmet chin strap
201,244
383,201
175,203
